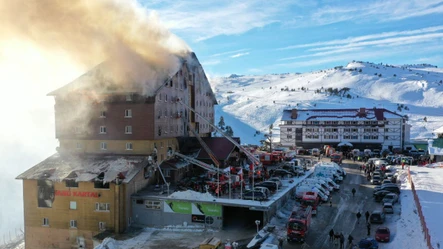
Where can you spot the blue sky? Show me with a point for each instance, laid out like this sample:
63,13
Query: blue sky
262,37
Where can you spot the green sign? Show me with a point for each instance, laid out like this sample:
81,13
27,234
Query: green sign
178,207
209,209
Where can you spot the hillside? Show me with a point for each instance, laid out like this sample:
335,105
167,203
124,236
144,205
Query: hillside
251,103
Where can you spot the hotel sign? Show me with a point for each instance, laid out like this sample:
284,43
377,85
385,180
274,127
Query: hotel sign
76,193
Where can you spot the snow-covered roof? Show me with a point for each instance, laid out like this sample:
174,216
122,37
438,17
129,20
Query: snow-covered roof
439,130
365,114
86,168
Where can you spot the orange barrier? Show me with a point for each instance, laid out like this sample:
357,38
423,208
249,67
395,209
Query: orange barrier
420,212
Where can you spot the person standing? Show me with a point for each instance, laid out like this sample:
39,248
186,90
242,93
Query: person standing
368,226
280,242
331,235
367,216
353,192
358,217
350,239
342,241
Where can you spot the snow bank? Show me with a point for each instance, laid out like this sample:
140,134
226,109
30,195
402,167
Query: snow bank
108,243
189,194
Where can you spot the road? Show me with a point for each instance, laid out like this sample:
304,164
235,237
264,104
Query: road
342,215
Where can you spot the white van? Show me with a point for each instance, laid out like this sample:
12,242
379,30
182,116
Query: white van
330,182
301,190
313,184
319,181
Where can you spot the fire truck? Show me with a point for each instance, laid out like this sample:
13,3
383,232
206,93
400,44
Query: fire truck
298,224
310,199
269,158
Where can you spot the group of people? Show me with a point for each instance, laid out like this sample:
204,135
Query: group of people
341,238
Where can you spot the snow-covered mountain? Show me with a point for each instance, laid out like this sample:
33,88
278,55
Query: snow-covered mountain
251,103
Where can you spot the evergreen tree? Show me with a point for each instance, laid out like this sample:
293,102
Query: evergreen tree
221,123
229,131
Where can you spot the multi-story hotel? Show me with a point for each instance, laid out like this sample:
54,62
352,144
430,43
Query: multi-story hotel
371,128
110,136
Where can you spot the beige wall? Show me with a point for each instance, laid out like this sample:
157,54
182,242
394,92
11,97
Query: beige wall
60,215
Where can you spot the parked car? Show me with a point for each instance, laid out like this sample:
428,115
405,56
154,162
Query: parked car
265,190
281,173
388,208
391,198
368,243
386,181
382,234
377,217
376,180
272,186
254,195
379,195
389,187
276,180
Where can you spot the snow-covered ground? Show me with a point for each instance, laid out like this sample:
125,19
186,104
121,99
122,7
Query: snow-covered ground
251,103
429,187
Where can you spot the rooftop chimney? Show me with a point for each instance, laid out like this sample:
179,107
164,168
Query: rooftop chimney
294,114
362,112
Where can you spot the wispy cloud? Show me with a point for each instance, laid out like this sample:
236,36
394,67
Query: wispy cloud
337,51
239,55
205,19
366,37
375,11
230,52
211,62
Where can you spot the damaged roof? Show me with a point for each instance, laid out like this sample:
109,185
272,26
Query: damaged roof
86,168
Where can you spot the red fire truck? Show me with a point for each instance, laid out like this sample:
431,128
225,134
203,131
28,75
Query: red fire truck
299,223
310,199
270,158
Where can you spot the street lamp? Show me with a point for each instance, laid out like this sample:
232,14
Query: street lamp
257,222
234,244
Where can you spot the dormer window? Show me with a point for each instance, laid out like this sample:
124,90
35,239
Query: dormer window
102,114
129,97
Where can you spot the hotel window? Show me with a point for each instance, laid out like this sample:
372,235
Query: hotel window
102,226
159,96
128,113
128,146
73,223
128,97
128,129
330,136
73,205
387,137
289,136
101,185
289,129
102,206
103,146
354,130
45,222
153,205
71,184
102,129
102,114
166,98
346,130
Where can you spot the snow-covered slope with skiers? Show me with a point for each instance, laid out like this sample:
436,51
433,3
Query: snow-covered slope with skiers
251,103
